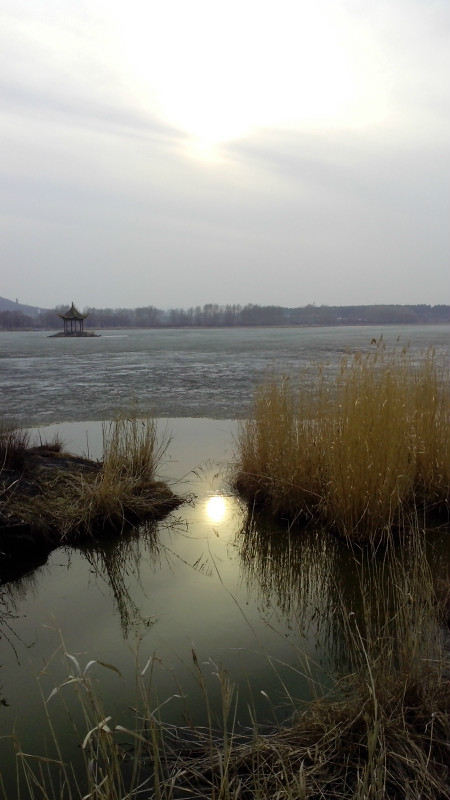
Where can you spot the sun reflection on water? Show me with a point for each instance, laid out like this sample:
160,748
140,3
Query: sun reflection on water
216,508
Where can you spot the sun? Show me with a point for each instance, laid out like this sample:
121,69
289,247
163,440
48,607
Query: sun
219,71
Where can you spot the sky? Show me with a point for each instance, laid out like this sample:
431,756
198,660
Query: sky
181,152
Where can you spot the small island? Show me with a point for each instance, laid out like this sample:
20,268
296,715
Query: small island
73,324
51,497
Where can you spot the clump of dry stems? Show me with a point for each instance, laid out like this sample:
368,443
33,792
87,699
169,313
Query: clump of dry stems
14,443
356,452
71,497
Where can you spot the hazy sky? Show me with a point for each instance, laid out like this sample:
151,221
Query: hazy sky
182,152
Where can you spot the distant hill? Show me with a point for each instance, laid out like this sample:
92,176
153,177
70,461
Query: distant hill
11,305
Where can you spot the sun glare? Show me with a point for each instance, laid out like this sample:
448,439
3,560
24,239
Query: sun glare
218,72
216,509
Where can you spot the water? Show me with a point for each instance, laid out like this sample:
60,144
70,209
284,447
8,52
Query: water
239,591
174,373
189,583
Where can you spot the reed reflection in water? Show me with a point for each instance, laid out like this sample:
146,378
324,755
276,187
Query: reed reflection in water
316,585
116,562
301,578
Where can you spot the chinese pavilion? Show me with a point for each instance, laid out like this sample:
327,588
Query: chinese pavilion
73,322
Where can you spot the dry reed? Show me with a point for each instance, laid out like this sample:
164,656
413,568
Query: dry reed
14,443
356,453
67,497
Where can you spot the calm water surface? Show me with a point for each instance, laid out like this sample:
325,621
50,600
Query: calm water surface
242,593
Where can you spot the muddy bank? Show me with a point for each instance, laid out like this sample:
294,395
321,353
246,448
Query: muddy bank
49,498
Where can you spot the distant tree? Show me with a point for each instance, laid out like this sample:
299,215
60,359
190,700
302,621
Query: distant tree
214,315
15,321
177,317
147,317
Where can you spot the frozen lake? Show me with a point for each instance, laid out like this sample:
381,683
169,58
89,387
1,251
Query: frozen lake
173,373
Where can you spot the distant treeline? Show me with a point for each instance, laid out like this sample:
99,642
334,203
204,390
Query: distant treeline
215,316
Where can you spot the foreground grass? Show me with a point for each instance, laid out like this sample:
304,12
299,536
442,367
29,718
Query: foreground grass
383,732
357,453
67,498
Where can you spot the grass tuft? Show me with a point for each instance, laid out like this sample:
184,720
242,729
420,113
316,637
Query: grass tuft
357,453
14,443
66,498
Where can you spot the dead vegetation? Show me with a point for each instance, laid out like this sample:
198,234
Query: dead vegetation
356,453
59,497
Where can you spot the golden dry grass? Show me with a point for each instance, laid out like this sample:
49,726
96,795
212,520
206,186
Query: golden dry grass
355,453
14,442
66,498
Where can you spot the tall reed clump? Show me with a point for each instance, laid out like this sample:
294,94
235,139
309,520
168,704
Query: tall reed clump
125,487
356,452
124,490
14,443
100,767
71,497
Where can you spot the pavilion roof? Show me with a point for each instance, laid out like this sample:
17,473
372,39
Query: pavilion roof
72,313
